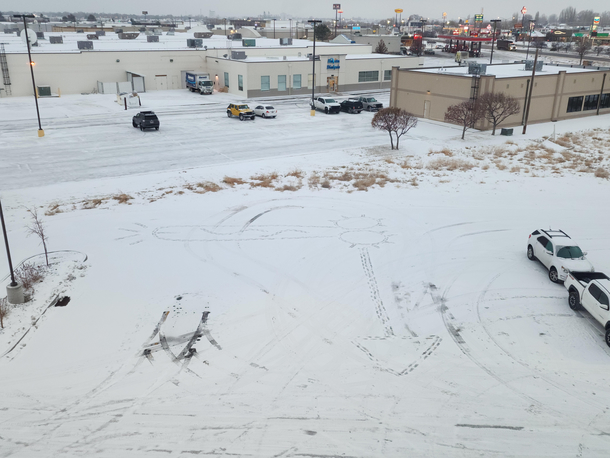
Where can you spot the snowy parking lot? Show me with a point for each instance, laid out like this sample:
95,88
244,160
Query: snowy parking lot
291,287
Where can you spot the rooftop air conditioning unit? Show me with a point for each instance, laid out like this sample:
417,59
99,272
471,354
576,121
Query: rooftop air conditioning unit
128,35
158,32
309,56
92,36
203,34
475,68
286,41
100,33
238,55
84,44
44,91
56,40
194,42
152,39
40,35
234,36
7,31
118,30
529,65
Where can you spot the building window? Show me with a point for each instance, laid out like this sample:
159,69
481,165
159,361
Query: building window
240,82
575,104
296,81
226,79
281,82
265,84
591,102
387,75
605,101
365,77
310,81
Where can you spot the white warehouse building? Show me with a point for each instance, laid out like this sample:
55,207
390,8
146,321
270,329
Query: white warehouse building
249,68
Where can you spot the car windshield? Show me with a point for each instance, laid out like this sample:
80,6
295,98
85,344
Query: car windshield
371,99
243,107
330,101
269,108
207,83
569,252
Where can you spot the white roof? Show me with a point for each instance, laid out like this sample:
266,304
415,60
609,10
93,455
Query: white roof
504,70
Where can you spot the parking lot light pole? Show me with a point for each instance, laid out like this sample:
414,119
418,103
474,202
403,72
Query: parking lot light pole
313,22
14,291
493,38
27,40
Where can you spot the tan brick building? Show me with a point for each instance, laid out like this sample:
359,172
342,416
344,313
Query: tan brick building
558,93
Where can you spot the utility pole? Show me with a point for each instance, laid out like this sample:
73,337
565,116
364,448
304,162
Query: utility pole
529,96
493,39
313,23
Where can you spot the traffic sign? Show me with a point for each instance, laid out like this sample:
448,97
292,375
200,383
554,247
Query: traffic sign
523,10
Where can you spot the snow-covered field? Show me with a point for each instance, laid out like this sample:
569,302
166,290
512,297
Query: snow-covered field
327,296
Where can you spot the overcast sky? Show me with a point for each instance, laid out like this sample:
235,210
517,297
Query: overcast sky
312,8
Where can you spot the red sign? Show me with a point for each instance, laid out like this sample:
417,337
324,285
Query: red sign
523,10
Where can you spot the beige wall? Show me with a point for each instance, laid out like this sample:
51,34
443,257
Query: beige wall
430,94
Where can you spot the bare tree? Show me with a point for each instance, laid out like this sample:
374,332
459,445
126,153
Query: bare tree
568,15
465,114
497,107
381,48
37,228
395,121
582,47
4,310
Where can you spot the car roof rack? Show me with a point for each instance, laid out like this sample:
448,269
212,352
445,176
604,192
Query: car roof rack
553,233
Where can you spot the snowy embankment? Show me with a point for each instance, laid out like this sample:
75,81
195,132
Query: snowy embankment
327,296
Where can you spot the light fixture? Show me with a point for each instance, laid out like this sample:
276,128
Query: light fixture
118,60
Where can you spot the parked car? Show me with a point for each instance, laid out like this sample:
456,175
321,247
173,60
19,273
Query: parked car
265,111
429,51
592,291
558,253
242,111
351,106
327,105
370,103
439,46
146,120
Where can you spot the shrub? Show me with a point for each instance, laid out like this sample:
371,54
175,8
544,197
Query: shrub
28,275
602,173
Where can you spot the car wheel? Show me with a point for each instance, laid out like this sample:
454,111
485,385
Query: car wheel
133,123
241,117
141,128
608,337
156,128
573,300
263,115
326,110
530,253
229,114
553,276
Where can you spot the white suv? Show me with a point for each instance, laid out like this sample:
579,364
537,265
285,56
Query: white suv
558,253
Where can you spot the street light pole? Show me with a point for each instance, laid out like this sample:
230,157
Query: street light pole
530,40
27,40
495,21
274,29
313,22
14,290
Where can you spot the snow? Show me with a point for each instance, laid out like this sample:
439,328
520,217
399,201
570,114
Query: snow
508,70
400,320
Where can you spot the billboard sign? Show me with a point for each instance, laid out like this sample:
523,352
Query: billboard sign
336,6
478,18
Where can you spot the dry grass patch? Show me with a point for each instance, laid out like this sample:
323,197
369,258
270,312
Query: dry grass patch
602,173
287,187
445,152
53,210
263,180
91,203
207,186
296,173
450,164
122,198
232,181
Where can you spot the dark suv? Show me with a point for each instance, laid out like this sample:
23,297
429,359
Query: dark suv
351,106
146,120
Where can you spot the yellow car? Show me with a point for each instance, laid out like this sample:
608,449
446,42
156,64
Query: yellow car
240,110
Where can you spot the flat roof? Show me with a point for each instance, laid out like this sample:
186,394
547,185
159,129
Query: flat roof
13,43
505,70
